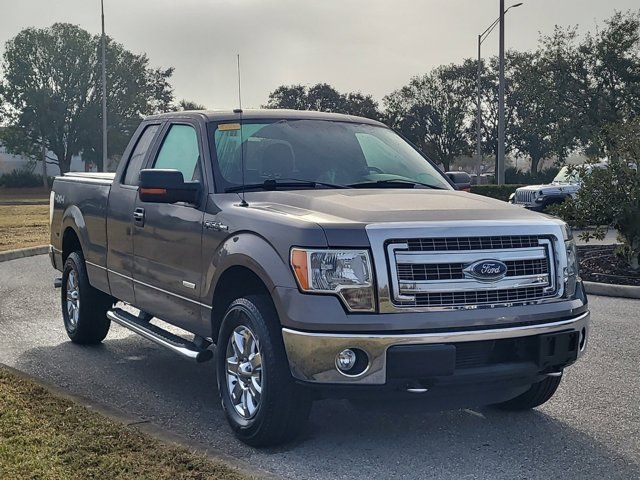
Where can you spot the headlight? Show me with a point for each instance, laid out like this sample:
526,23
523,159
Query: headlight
346,273
571,271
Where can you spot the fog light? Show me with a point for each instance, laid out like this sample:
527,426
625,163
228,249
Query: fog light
346,359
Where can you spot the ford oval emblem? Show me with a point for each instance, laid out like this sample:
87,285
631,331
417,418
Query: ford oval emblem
487,270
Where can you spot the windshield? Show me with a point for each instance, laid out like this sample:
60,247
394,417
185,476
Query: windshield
326,152
567,175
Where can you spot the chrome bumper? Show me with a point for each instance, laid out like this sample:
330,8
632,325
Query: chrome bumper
312,355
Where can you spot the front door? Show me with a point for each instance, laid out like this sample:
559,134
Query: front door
167,241
122,200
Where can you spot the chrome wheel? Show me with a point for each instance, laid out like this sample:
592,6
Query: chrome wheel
244,371
73,298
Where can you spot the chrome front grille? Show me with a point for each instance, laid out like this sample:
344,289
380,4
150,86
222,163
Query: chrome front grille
509,295
436,272
452,271
471,243
525,196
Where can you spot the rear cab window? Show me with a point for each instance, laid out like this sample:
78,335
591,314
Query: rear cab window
138,155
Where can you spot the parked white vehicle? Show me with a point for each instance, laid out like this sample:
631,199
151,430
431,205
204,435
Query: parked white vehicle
565,184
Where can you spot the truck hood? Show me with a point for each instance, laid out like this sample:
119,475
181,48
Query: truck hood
363,206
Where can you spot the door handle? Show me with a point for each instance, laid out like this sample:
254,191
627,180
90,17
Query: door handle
138,216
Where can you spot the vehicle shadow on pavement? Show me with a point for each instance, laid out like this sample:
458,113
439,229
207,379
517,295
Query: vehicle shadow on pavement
140,378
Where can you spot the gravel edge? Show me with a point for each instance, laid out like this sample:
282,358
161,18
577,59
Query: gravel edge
23,252
612,290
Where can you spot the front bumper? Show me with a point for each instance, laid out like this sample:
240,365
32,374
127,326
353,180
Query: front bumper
312,355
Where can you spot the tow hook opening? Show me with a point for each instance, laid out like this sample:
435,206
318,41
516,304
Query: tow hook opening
582,343
416,387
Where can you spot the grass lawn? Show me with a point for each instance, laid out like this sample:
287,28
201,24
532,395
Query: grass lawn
46,437
23,226
23,196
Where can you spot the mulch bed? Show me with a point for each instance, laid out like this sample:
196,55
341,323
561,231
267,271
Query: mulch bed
599,263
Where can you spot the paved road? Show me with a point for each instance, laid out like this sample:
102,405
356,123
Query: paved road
591,429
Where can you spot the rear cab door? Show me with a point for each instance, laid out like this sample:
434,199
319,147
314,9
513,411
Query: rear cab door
167,240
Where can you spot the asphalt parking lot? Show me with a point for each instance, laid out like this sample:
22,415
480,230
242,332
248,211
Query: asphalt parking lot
590,429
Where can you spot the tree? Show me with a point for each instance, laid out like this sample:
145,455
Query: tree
536,114
189,105
432,111
610,197
612,56
596,81
324,98
51,91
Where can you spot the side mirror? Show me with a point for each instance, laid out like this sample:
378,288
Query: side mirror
166,186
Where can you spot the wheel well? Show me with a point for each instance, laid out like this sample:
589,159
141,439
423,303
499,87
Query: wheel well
70,243
234,283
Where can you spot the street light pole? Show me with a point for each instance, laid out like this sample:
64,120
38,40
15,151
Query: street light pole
481,38
500,172
104,94
479,117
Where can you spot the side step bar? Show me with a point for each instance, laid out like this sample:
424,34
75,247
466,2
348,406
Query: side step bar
160,336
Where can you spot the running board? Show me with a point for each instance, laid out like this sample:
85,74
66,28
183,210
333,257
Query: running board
162,337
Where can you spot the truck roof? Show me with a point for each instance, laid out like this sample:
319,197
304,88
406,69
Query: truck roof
265,114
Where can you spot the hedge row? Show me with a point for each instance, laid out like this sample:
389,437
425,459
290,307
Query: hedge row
22,178
501,192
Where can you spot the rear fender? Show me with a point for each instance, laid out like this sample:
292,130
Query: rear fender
73,218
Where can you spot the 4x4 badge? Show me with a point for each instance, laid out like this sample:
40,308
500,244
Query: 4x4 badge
486,270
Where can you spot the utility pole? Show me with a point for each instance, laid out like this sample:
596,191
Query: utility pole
481,38
45,180
104,94
500,166
479,116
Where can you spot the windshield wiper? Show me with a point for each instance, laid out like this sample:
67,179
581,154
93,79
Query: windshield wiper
391,183
275,184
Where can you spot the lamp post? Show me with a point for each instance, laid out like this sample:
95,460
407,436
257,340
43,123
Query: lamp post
481,38
104,93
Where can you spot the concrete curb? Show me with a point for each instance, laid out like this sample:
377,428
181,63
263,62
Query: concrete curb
609,290
23,252
151,429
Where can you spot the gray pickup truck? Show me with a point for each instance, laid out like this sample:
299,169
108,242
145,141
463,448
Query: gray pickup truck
323,256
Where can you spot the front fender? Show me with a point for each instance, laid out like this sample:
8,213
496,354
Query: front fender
250,251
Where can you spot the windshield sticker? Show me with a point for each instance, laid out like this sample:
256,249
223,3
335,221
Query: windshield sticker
228,126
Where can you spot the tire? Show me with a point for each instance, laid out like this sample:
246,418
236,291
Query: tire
269,407
538,394
84,309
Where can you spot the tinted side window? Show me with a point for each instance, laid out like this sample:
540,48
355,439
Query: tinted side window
138,155
180,151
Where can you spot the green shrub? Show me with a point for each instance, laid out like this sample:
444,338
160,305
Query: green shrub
609,198
513,176
22,178
501,192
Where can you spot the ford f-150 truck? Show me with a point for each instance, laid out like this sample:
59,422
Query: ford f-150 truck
316,255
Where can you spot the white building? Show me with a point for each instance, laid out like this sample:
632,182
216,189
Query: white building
10,162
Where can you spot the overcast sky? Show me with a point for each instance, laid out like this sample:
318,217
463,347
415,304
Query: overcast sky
373,46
